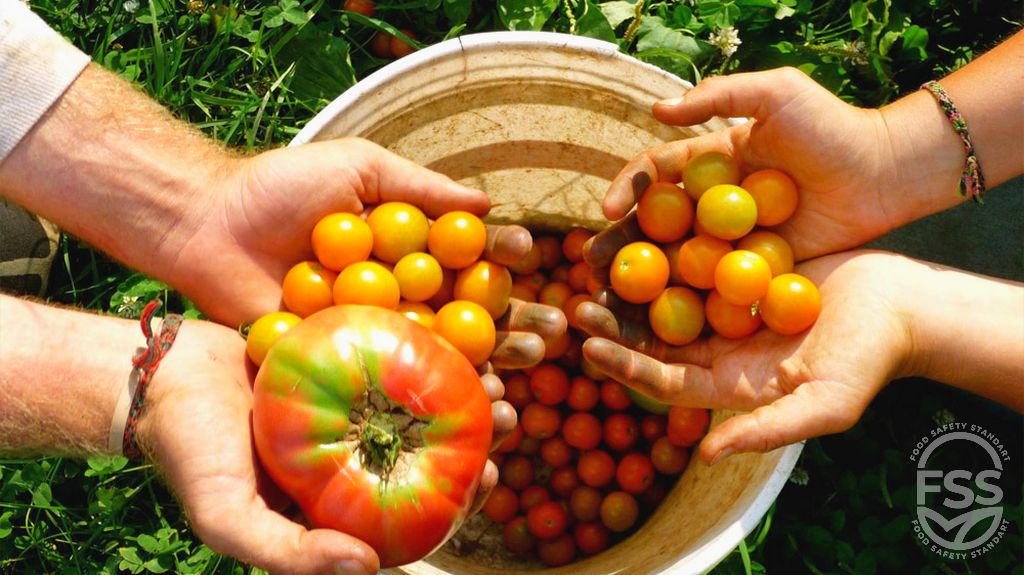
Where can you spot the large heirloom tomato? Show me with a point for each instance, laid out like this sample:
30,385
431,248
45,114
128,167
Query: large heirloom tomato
375,426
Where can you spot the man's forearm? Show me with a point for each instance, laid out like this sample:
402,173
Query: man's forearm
61,374
111,166
929,157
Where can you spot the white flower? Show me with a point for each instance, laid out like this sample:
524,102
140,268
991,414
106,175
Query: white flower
726,40
131,6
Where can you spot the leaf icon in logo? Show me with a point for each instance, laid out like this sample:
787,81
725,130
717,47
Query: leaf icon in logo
966,521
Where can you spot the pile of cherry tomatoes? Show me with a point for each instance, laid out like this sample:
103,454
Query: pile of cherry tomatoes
398,259
730,272
589,458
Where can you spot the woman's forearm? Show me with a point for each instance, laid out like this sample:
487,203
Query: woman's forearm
111,166
61,375
967,331
928,156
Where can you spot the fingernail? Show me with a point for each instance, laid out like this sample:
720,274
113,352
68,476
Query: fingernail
721,455
670,101
350,567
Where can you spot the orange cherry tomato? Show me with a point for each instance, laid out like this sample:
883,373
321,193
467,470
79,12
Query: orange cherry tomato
265,331
533,280
772,248
307,288
398,229
560,274
639,272
419,276
570,308
742,277
486,283
381,45
791,305
521,291
672,253
445,293
727,212
557,347
468,327
729,320
457,239
555,294
341,239
677,315
364,7
572,245
417,312
400,47
698,257
550,249
708,170
665,212
367,283
619,511
775,195
528,264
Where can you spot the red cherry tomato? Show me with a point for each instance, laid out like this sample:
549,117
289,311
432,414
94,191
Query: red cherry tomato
556,452
619,511
558,551
513,441
582,431
501,505
540,421
547,519
635,473
517,536
596,468
669,458
572,245
686,425
584,394
549,384
614,395
652,427
517,391
533,495
585,503
620,432
564,480
591,537
517,472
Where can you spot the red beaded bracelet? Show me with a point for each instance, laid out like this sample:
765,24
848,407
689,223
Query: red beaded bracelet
145,363
972,182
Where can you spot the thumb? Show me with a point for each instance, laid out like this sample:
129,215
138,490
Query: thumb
813,409
750,94
388,177
265,539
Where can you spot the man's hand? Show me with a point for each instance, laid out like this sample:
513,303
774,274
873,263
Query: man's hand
196,427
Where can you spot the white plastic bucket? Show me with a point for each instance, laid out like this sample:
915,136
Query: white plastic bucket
542,122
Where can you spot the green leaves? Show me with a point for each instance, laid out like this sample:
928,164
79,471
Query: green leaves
323,68
285,11
526,14
457,11
594,23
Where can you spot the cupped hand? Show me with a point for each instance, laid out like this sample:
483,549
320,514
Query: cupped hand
795,387
256,220
839,156
196,427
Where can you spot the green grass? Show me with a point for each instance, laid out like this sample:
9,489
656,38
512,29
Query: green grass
251,74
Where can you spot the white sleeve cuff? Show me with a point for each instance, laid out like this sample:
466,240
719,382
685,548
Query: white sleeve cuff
36,66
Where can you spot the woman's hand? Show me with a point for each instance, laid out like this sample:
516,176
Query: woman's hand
796,387
839,156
